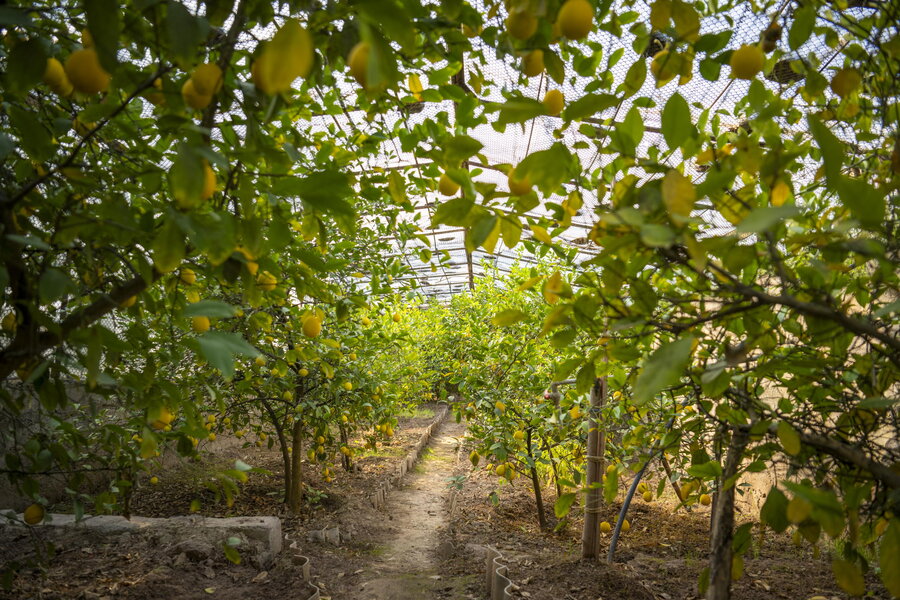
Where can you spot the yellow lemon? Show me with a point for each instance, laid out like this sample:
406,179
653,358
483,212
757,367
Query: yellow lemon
348,386
358,61
447,186
252,267
200,324
34,514
266,281
626,526
647,496
575,412
705,500
289,55
747,61
209,181
500,470
192,97
397,318
576,19
260,361
287,396
312,326
500,406
187,276
518,187
521,24
366,321
54,74
611,469
554,101
303,372
605,527
533,63
211,437
84,71
207,79
519,435
154,480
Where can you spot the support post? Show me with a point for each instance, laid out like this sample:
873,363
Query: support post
590,538
723,521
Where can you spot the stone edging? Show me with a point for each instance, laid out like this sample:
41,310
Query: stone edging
379,497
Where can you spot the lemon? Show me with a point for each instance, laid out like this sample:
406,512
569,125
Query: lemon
747,61
519,435
54,74
447,186
266,281
500,406
252,267
611,469
128,302
626,526
154,480
187,276
705,500
533,63
576,19
192,296
9,322
575,412
192,97
209,181
34,514
554,101
303,372
474,457
647,496
161,419
288,56
312,326
211,437
397,318
358,61
84,71
348,386
664,66
500,470
200,324
366,321
352,356
260,361
207,79
518,187
521,25
845,82
605,527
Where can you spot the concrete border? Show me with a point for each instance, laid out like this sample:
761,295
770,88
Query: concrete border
498,586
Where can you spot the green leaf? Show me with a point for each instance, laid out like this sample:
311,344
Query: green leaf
634,79
453,212
676,121
209,308
628,134
168,247
802,27
585,378
789,438
325,191
231,554
878,402
889,557
26,64
611,487
848,576
54,284
708,470
185,32
508,317
519,110
220,349
831,146
774,510
589,105
865,202
103,23
548,169
662,369
564,504
33,136
460,148
766,217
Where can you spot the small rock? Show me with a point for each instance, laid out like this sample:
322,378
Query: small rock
261,576
209,573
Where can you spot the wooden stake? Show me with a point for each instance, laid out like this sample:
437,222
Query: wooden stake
590,539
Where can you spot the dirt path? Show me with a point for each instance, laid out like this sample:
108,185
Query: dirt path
408,566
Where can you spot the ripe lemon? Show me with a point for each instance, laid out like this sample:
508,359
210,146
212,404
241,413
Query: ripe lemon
252,267
447,186
533,63
192,97
845,82
500,406
358,61
664,67
211,437
575,412
474,457
54,74
500,470
397,318
287,396
34,514
626,526
187,276
161,419
366,321
747,61
312,326
521,25
128,302
154,480
554,101
200,324
605,527
84,71
576,19
303,372
518,187
647,496
611,469
266,281
207,79
705,500
347,386
260,361
209,181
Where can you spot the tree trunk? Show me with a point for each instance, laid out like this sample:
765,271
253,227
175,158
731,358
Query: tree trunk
536,484
282,443
296,490
596,443
723,521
